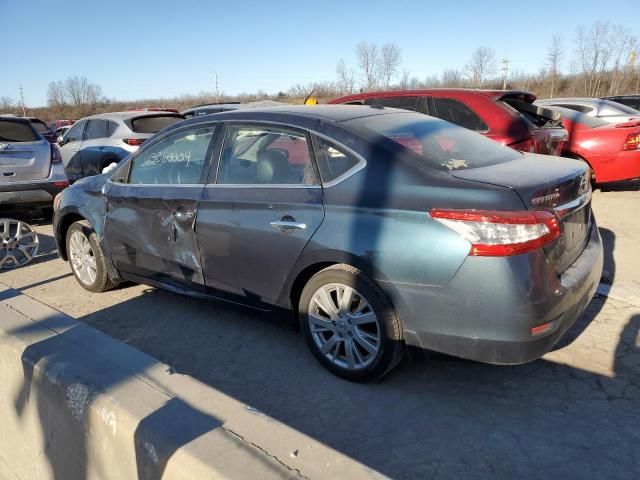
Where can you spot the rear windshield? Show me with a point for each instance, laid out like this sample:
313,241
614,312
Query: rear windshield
579,117
439,144
17,132
153,124
610,109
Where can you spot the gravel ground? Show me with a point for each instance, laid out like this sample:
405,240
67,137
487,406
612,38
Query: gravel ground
572,414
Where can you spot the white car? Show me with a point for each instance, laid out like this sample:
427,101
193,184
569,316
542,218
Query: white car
611,112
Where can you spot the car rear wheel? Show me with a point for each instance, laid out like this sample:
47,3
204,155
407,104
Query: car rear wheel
86,258
349,324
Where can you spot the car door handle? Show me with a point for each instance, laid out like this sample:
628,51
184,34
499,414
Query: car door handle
287,226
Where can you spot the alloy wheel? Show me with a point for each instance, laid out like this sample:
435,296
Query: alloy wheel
344,326
18,243
82,257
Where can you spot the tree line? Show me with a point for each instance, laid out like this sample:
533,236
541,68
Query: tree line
599,60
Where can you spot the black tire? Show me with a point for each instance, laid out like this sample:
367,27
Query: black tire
102,281
391,345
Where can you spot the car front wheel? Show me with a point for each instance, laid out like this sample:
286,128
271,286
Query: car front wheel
86,258
349,324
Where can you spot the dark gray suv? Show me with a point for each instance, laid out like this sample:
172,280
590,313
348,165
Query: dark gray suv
378,227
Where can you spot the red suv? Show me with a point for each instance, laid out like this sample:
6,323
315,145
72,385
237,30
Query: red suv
507,116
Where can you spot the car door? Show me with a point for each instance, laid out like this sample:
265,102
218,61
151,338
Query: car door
261,207
92,150
151,209
70,150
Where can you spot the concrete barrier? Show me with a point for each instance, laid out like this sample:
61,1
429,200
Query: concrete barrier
75,403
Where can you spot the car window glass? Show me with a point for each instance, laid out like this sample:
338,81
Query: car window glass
11,131
577,108
265,155
333,161
75,133
177,159
39,126
111,127
96,129
154,123
406,103
457,112
437,143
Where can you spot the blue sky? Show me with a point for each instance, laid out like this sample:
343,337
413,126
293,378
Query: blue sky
145,49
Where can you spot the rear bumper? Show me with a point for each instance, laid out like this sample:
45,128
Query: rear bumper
488,310
33,193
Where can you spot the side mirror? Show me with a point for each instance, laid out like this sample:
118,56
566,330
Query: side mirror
60,139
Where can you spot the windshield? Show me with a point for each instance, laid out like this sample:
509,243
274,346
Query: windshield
578,117
440,144
153,124
39,126
16,132
611,107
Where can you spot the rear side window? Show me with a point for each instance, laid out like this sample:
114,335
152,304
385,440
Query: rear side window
578,117
153,124
457,112
333,160
438,144
111,127
405,103
96,129
17,132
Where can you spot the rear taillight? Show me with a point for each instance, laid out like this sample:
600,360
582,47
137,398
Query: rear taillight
501,233
55,154
632,142
525,146
134,142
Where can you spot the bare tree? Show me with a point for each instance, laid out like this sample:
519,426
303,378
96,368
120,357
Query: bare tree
82,94
481,66
346,78
555,53
452,78
407,81
6,104
55,97
594,52
390,59
369,63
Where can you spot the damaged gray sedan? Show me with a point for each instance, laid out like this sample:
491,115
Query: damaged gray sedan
378,228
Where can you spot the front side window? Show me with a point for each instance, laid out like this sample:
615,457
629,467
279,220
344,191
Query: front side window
75,133
254,155
175,160
333,161
457,112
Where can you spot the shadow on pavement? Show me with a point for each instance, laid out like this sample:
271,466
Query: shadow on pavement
534,420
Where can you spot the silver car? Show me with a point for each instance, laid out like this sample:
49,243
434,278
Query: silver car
611,112
31,170
95,142
209,108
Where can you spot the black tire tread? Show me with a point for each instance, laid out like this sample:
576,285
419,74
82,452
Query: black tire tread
104,282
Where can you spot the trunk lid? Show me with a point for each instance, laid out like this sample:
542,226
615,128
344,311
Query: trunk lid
548,134
547,183
24,161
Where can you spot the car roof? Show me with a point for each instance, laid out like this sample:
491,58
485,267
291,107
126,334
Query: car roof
334,113
588,101
129,114
237,105
495,94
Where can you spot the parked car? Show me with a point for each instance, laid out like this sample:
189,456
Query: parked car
31,171
94,142
505,116
632,101
208,109
61,131
379,227
56,124
611,112
612,151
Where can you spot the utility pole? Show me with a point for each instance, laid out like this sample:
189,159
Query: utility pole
24,113
505,72
217,89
